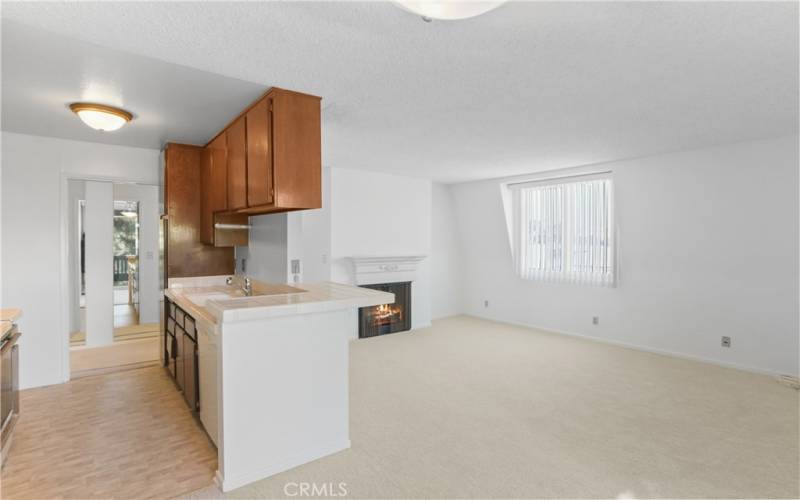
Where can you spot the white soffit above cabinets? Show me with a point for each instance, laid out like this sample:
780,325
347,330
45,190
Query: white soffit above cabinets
42,73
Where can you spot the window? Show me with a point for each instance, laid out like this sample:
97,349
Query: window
563,230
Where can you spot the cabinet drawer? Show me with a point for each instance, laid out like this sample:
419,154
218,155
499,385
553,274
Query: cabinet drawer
171,326
172,309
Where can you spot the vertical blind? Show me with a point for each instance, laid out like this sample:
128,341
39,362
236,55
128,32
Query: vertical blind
563,230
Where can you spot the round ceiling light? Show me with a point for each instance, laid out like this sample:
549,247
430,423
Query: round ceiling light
448,10
101,117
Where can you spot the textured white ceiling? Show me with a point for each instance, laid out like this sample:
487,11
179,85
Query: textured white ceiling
527,87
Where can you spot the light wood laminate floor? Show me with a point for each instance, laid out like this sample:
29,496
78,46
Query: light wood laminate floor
120,435
122,333
118,354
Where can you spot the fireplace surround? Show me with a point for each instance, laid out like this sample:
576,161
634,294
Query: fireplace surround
386,318
391,273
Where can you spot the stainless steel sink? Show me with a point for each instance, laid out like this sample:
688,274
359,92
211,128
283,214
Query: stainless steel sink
201,299
278,290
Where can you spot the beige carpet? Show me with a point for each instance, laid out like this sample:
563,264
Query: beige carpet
471,408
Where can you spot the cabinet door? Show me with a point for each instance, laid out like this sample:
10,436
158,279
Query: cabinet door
179,357
259,154
296,150
186,255
190,371
218,179
206,212
170,352
236,137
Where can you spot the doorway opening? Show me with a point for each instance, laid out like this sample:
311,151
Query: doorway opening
126,259
113,249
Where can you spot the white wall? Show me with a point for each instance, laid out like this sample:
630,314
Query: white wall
266,253
363,213
381,214
99,230
149,220
314,245
33,216
446,260
708,243
277,239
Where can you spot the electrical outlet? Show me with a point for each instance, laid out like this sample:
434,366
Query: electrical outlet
244,266
295,266
485,303
595,320
726,341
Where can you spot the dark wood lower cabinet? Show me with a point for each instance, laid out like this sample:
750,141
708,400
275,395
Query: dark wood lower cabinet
180,352
179,356
190,385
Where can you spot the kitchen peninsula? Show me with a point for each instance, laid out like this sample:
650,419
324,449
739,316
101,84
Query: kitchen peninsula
271,384
265,367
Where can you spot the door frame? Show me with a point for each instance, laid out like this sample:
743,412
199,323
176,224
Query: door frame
64,261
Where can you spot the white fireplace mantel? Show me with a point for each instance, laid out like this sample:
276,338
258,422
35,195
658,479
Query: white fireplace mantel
370,270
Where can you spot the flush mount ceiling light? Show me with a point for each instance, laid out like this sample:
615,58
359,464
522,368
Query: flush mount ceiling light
448,10
100,116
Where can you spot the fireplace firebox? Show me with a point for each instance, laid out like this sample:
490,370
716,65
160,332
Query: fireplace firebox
386,318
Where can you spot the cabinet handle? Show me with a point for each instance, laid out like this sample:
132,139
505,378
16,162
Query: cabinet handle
219,225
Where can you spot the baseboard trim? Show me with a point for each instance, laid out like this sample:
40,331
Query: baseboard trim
637,347
228,483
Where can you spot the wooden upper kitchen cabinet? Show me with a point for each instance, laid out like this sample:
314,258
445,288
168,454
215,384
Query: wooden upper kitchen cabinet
297,146
272,153
214,186
206,214
236,139
186,256
295,136
259,154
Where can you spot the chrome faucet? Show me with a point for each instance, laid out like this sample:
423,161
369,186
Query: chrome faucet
246,286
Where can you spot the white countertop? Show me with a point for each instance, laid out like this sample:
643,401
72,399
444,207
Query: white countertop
315,297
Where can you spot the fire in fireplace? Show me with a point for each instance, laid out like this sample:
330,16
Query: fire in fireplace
387,318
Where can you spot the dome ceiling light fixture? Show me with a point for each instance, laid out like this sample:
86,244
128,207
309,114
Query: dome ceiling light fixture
100,116
448,11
